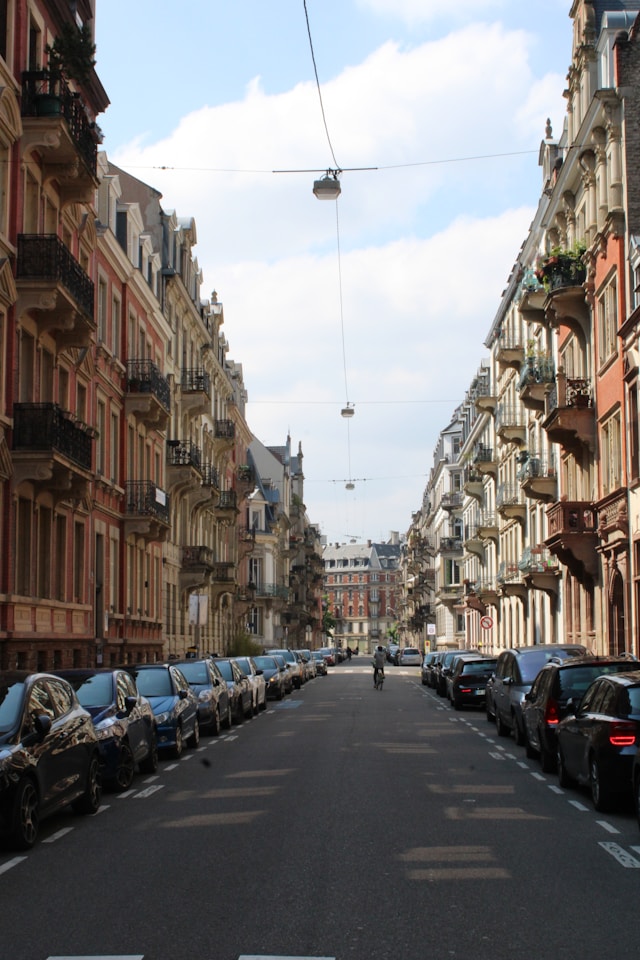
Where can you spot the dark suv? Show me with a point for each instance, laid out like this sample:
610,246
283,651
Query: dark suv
547,703
516,670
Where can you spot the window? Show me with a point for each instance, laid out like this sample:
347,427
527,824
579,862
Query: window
113,574
634,434
607,310
59,568
102,309
101,420
114,441
45,520
78,563
116,312
611,455
23,546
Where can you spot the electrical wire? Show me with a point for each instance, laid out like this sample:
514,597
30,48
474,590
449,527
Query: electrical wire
315,70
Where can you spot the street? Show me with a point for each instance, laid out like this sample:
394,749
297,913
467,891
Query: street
343,823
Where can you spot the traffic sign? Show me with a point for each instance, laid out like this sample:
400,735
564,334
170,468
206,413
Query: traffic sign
486,623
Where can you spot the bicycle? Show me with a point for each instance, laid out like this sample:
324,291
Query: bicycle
379,680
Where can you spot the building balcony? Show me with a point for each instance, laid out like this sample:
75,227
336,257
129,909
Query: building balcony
51,449
148,395
224,431
488,527
473,542
54,290
486,588
570,416
509,580
195,391
484,460
484,395
196,567
146,511
272,591
226,507
509,350
452,501
450,594
532,300
57,127
210,478
246,475
510,502
472,483
573,537
184,467
564,281
538,478
536,376
540,569
451,546
510,423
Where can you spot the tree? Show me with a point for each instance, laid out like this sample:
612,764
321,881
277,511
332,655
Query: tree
328,620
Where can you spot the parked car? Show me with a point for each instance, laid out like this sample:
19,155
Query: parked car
210,688
442,669
635,783
516,670
469,681
597,743
410,657
329,656
123,721
449,672
320,662
288,677
239,688
173,702
258,683
309,664
274,676
297,673
426,667
433,669
559,683
49,754
393,653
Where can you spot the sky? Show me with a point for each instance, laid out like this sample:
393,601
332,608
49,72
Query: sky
383,299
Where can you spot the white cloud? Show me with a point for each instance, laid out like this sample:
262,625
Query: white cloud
418,11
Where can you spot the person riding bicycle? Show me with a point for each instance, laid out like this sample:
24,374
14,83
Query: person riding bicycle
378,662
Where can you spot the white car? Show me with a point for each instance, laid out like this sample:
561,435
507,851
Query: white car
410,657
257,681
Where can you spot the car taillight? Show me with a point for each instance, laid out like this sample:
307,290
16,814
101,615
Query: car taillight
465,689
552,714
622,735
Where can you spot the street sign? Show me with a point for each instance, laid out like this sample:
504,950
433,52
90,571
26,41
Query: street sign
486,623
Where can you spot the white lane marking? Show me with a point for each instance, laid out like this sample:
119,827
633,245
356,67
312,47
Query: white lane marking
523,765
152,779
187,756
102,956
555,789
621,855
496,756
607,826
10,864
579,806
170,766
538,776
253,956
149,791
58,835
127,793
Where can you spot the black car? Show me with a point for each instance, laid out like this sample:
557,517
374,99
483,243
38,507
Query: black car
425,670
49,754
123,720
469,681
516,670
274,676
239,688
597,743
443,669
210,688
546,703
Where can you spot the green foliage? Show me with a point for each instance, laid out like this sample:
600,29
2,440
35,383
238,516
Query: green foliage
328,621
72,53
244,645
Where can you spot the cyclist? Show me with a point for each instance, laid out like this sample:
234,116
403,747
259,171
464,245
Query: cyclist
378,662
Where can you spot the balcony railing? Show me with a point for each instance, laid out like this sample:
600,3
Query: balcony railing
145,499
450,544
210,476
451,500
195,381
143,376
44,257
197,557
184,455
45,426
538,369
227,500
538,560
42,96
224,430
272,590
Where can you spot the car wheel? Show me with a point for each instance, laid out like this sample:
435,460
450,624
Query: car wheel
563,777
228,720
238,716
25,818
280,694
455,702
601,793
501,727
194,739
518,733
89,802
150,763
263,705
491,717
126,769
178,747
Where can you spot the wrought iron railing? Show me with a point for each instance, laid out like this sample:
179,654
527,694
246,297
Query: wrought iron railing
197,556
194,380
143,376
227,500
45,426
224,429
537,369
184,454
43,256
39,89
144,499
537,560
210,476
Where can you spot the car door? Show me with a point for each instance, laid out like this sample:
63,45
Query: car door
63,758
504,677
186,706
220,688
575,732
533,707
126,693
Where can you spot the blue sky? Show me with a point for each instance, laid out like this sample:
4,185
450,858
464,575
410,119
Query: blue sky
385,298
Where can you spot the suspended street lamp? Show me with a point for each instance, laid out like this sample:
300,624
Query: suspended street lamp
328,187
347,411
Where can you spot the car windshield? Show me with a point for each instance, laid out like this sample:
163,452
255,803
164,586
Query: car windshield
265,663
532,662
154,683
411,651
11,696
575,680
195,671
225,669
94,691
244,665
478,667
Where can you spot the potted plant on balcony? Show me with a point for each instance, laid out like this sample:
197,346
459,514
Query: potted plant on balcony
71,56
562,267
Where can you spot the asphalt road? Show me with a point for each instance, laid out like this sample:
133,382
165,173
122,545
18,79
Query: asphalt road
344,823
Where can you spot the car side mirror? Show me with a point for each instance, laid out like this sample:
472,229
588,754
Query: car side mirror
182,694
259,673
42,726
129,704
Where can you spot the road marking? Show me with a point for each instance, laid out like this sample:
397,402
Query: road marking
152,779
102,956
263,956
185,757
621,855
127,793
288,705
170,766
607,826
491,813
537,776
149,791
496,756
58,835
10,864
579,806
555,789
